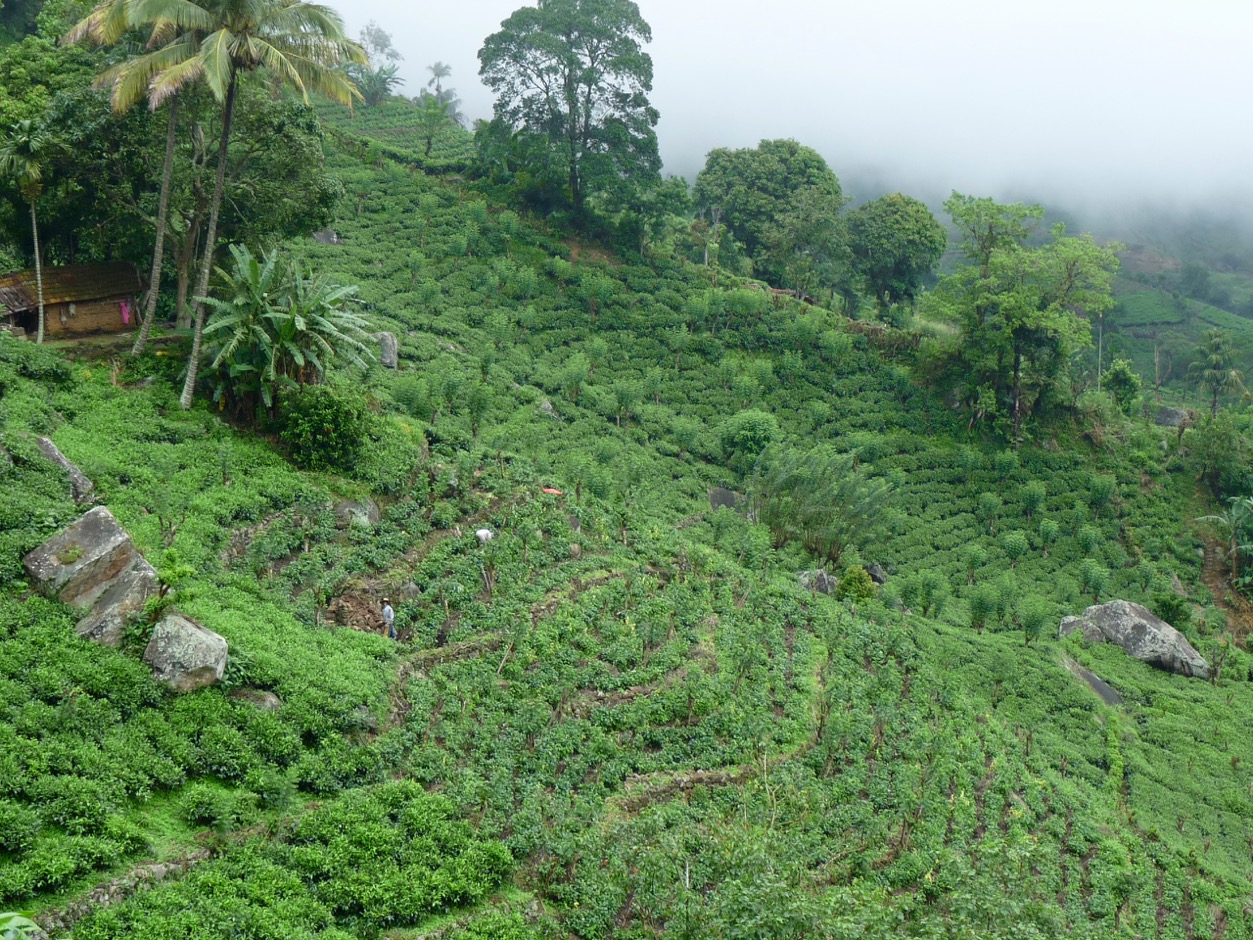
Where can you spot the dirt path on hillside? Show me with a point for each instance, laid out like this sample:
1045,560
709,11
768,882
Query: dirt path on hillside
1239,611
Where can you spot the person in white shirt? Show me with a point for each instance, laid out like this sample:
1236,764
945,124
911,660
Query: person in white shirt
389,619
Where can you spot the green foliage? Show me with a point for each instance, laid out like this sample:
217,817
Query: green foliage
324,426
819,498
925,593
1015,546
274,328
1172,608
744,436
1033,496
1123,383
1093,578
1017,307
16,927
1213,368
856,585
778,192
895,243
1218,451
589,114
1048,532
983,602
1034,613
1102,492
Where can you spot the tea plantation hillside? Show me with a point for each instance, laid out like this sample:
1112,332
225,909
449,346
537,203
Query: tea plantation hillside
620,715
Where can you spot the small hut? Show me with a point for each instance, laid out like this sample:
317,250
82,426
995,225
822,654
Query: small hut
78,299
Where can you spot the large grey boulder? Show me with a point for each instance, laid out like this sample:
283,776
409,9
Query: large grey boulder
1172,417
81,488
184,654
1141,633
94,566
364,513
817,580
877,574
388,350
722,498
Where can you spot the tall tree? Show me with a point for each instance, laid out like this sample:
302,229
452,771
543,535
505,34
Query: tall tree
1021,309
439,71
1213,368
895,242
107,23
574,72
749,189
23,153
378,77
301,44
377,43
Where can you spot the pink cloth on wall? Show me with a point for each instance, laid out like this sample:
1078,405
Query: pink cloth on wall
126,311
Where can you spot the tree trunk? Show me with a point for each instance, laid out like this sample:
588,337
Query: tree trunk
158,253
186,255
1017,397
39,271
206,262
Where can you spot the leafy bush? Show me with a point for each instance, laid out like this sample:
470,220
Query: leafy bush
324,426
745,435
819,498
856,585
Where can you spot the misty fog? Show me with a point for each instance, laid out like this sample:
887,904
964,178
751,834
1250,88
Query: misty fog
1094,102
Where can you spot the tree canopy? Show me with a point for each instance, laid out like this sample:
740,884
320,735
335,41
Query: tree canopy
1022,310
895,243
574,73
764,194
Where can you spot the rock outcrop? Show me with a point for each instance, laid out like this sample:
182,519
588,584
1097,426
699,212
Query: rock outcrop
722,498
363,513
184,654
389,351
94,566
817,580
264,700
1172,417
81,488
877,574
1141,633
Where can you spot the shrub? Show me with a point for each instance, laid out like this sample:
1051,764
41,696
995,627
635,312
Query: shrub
855,584
1172,608
1102,492
982,603
1088,538
18,827
1049,530
323,426
1033,614
1033,495
1015,545
745,435
1123,383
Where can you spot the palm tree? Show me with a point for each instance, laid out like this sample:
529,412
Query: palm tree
439,71
301,44
22,154
1214,367
107,23
274,328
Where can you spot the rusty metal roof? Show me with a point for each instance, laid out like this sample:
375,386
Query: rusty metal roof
72,283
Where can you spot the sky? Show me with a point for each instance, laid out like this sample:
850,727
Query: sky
1105,101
